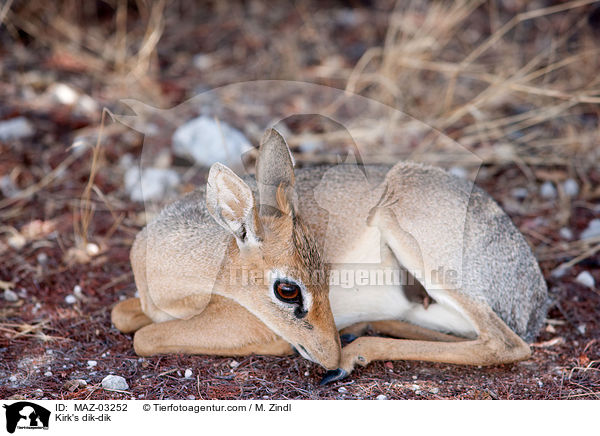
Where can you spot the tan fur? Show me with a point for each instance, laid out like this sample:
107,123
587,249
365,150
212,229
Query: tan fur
412,217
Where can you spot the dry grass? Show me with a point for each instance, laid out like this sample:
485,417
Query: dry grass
514,82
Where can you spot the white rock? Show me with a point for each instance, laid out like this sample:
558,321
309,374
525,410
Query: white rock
342,390
42,258
70,299
15,128
519,193
547,190
586,279
188,373
91,363
13,378
559,272
381,397
458,172
92,249
566,233
205,141
77,291
115,382
126,161
48,374
10,295
86,105
234,364
581,328
203,61
153,184
17,241
592,230
310,146
434,391
8,187
571,187
63,94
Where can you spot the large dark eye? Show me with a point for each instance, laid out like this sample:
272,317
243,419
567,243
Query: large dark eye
287,292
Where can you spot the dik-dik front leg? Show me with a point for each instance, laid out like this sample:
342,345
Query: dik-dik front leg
495,344
224,328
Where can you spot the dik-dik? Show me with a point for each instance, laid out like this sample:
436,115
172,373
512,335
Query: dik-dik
297,228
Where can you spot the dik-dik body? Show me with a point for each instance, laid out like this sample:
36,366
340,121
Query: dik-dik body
246,266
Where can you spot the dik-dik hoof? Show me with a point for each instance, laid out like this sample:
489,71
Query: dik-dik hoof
347,338
333,375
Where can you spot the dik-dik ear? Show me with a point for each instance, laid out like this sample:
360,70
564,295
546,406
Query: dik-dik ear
231,203
275,176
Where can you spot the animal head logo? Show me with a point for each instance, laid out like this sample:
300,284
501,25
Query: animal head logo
24,414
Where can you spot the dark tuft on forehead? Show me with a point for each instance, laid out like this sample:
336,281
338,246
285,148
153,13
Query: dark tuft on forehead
307,249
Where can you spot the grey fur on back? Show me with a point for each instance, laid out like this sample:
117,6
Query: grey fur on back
501,265
497,266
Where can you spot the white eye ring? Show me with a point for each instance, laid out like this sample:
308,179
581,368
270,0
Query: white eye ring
305,297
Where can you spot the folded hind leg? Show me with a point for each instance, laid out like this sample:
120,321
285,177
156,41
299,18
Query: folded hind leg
496,344
398,329
127,316
223,328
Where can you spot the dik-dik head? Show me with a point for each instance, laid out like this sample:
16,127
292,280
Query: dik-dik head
275,266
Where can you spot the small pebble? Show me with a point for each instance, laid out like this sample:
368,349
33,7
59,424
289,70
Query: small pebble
586,279
519,193
188,373
571,187
234,364
77,291
115,382
48,373
10,295
566,233
592,230
191,397
458,172
547,190
70,299
206,140
150,184
306,374
42,258
381,397
558,272
581,328
92,249
91,363
414,387
434,391
15,128
414,377
13,378
342,390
